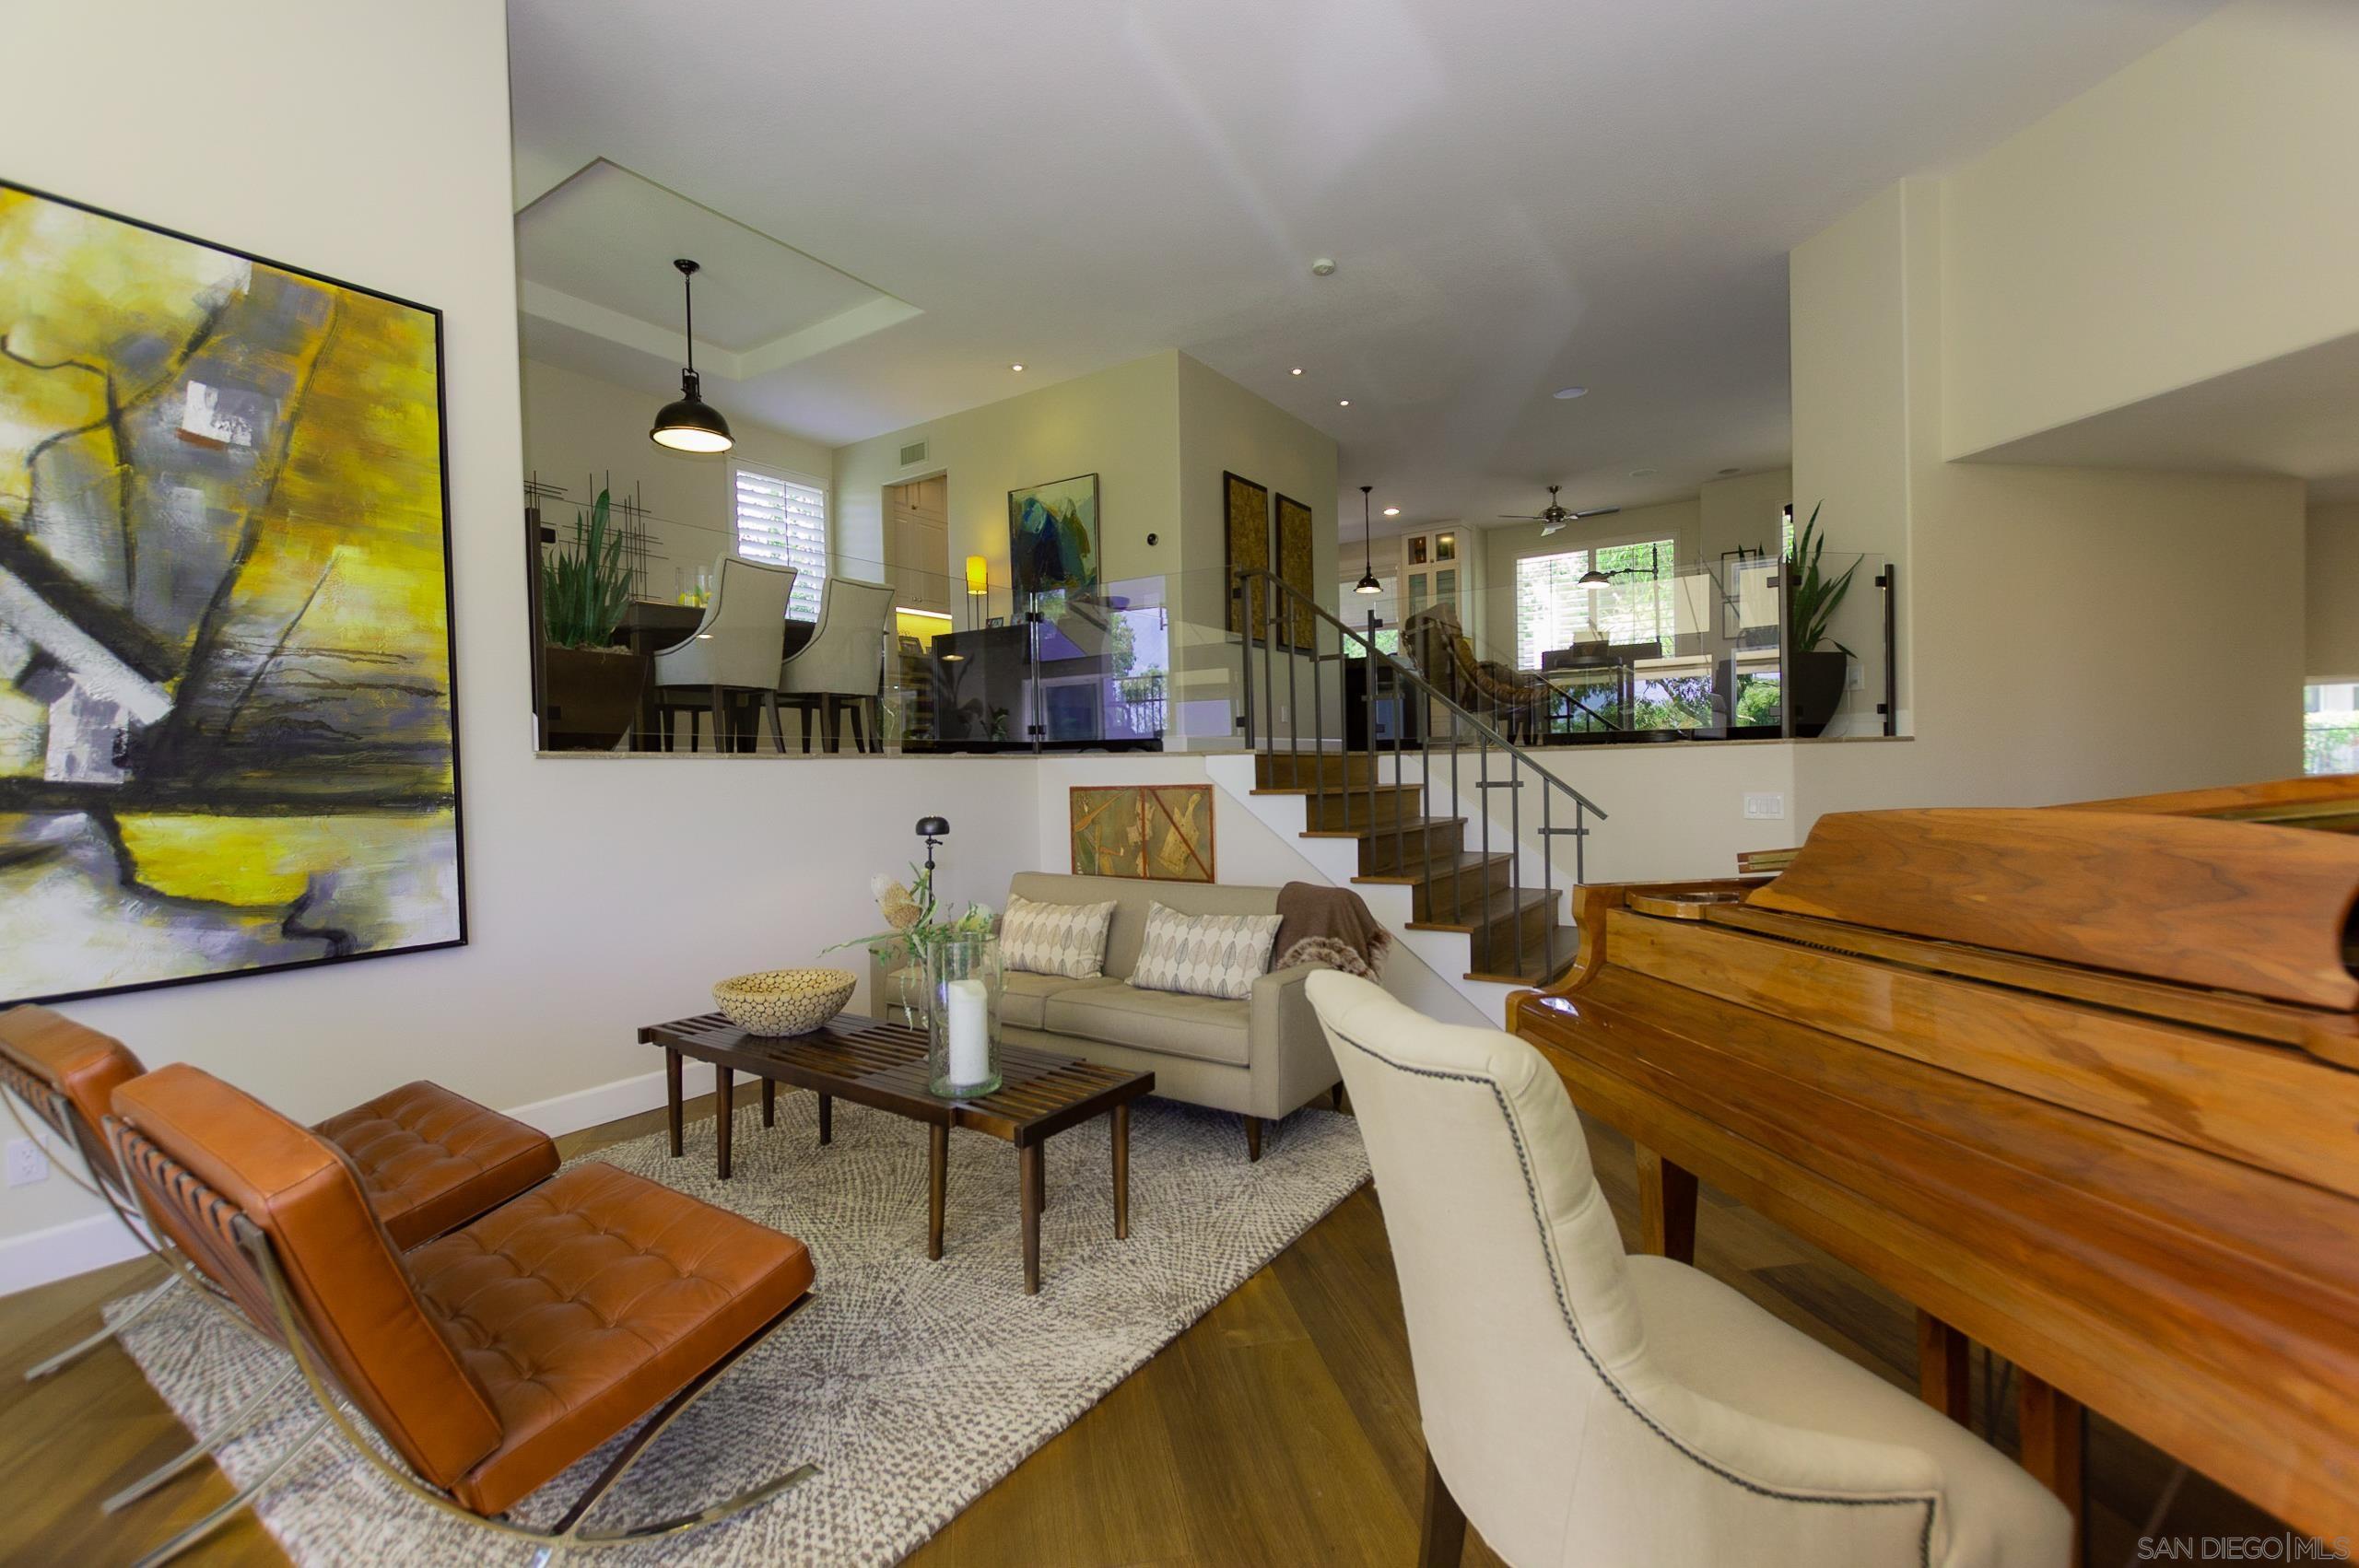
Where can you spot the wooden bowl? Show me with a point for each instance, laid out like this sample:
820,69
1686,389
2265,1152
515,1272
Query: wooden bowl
784,1001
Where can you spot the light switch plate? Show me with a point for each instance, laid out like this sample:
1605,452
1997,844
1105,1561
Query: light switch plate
1854,678
1763,806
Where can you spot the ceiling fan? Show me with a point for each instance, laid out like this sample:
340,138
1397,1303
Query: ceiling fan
1556,517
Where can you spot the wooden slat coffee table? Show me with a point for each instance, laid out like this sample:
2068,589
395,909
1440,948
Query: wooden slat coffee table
883,1066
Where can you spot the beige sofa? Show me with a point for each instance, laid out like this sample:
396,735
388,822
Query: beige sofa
1263,1056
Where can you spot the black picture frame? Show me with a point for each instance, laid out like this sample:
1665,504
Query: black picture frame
464,932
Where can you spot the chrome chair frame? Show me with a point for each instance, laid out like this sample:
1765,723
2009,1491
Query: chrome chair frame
567,1534
54,1112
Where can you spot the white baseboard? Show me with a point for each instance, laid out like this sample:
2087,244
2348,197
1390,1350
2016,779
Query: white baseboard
591,1107
76,1247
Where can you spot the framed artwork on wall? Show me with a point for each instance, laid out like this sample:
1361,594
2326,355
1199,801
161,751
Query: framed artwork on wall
1295,571
1052,538
228,737
1156,832
1244,525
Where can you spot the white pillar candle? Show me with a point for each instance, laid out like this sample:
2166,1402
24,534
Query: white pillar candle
970,1029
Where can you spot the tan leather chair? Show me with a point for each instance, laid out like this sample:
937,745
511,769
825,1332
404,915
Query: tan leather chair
489,1360
1588,1407
429,1159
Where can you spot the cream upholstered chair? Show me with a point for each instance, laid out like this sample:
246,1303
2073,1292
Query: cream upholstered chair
1588,1408
842,667
733,649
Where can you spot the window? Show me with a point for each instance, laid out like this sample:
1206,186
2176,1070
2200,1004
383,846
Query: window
2331,727
784,522
1553,608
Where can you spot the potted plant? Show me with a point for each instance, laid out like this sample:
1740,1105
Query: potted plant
1814,662
590,689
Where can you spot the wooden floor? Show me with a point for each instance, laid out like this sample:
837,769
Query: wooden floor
1281,1428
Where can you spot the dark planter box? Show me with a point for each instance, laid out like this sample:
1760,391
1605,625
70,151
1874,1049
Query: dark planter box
1815,686
589,695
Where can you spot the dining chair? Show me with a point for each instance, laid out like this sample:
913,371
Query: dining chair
733,651
841,670
1592,1409
478,1368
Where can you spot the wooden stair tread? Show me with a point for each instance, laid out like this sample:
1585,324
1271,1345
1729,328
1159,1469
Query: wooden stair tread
1359,791
1446,864
1501,905
1407,825
1561,948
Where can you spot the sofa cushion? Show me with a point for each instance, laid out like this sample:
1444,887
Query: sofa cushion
1132,899
1215,955
1054,939
1202,1027
1021,1001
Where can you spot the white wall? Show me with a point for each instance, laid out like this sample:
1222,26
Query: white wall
2189,217
398,179
2332,584
1120,424
582,432
2066,633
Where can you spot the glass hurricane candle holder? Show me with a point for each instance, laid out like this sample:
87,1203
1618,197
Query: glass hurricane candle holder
962,987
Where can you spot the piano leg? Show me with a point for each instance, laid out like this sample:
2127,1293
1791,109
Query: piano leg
1942,1378
2049,1420
1666,1208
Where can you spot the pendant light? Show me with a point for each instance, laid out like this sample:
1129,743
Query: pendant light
691,425
1367,584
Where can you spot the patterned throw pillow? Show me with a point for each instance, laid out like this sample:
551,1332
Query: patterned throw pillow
1218,955
1055,939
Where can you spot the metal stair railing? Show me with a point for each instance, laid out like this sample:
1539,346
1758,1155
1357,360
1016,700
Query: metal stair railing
1283,610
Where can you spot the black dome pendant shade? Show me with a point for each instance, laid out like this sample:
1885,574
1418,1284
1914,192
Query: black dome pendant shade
691,425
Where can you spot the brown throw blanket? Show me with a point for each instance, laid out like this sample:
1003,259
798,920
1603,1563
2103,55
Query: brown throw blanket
1332,928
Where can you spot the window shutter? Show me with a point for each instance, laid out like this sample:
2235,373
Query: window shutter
785,522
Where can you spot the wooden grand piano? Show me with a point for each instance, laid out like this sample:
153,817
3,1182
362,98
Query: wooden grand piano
2081,1083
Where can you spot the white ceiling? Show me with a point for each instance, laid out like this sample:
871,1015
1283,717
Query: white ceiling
1519,195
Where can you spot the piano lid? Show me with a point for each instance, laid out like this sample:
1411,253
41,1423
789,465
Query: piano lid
2209,901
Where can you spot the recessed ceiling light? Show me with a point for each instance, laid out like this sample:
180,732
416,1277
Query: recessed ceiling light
1726,471
1569,392
1642,473
1343,403
1392,511
1296,371
1016,367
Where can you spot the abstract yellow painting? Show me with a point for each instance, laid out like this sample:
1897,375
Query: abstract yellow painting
226,723
1161,832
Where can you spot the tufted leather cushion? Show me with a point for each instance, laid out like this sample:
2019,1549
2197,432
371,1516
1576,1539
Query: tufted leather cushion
83,1064
431,1159
588,1301
356,1300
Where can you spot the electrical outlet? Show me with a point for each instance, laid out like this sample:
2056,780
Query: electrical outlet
28,1163
1761,807
1854,678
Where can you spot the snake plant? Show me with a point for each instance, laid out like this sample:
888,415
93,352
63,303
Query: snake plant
1816,596
585,586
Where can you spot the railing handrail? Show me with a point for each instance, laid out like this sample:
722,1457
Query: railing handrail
1243,575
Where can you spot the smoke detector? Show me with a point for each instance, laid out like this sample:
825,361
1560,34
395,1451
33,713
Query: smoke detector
1322,267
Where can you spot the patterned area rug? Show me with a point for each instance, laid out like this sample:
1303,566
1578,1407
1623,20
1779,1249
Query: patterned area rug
913,1386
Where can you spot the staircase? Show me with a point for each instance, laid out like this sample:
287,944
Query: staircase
1452,841
1515,935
